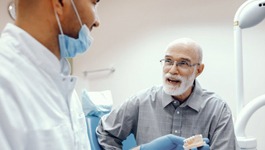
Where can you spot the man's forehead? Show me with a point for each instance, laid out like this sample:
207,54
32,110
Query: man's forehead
180,53
180,49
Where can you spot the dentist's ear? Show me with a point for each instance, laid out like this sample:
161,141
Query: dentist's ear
199,69
58,6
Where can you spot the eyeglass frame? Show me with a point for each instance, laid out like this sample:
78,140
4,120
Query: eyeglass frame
178,64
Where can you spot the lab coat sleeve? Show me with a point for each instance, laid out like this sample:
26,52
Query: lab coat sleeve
116,126
3,142
11,126
224,136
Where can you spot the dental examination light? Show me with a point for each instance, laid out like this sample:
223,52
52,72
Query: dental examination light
249,14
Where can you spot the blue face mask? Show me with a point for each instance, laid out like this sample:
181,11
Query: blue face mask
69,46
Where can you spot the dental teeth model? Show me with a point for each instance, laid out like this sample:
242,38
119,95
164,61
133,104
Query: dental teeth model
193,142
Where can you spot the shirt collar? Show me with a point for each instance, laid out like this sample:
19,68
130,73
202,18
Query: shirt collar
194,101
166,98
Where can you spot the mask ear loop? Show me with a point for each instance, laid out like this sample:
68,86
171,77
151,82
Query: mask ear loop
78,17
61,30
58,21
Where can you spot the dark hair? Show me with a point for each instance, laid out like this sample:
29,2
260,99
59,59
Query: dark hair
61,2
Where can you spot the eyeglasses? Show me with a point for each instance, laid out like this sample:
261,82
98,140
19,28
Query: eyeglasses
168,63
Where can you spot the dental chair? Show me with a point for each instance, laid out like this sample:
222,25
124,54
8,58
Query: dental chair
92,123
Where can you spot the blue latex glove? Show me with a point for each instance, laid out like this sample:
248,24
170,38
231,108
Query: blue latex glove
204,147
167,142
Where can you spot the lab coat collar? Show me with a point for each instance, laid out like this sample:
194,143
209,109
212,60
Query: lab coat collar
65,67
33,49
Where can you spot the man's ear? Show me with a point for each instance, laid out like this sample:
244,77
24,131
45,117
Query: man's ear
199,69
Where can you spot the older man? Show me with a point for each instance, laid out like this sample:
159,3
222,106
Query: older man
180,106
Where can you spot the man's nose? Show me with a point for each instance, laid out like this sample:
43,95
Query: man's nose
174,68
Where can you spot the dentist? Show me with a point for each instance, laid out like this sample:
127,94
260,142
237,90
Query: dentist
39,108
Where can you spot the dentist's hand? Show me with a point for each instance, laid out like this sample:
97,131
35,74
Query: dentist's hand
170,142
167,142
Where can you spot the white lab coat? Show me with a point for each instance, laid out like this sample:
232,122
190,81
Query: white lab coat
39,109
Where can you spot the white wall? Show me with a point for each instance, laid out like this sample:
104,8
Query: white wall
133,35
4,16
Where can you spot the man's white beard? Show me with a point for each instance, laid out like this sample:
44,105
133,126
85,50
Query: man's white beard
186,83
